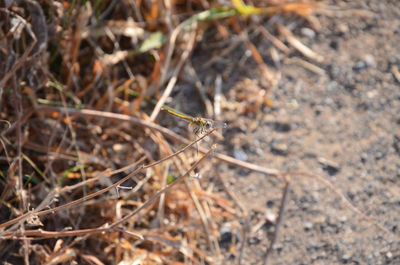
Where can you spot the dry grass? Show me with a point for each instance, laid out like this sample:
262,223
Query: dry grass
87,173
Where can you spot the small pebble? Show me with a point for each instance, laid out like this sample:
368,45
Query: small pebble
346,258
369,60
240,154
360,65
307,32
379,155
278,247
334,44
343,28
330,166
350,195
271,217
312,246
372,94
270,203
282,127
226,235
279,149
332,86
328,101
308,226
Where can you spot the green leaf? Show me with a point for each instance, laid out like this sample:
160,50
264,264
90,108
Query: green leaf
212,14
31,179
154,41
35,167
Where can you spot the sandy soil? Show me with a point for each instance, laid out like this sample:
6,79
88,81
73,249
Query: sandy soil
342,124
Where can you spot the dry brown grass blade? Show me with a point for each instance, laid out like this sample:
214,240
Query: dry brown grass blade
184,247
302,9
274,40
203,217
231,194
176,71
168,133
396,72
266,72
11,77
189,69
219,156
225,204
307,65
284,200
298,45
50,234
193,196
53,194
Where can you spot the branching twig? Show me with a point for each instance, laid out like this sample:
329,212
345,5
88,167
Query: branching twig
230,160
50,197
168,133
107,228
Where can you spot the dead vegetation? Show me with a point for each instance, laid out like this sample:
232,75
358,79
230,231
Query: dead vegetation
92,170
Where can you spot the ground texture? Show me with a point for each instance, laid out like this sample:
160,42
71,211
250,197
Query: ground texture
343,125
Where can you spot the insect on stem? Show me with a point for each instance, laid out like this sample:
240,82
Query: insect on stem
199,125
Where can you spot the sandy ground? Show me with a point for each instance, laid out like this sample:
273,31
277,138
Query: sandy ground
342,124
